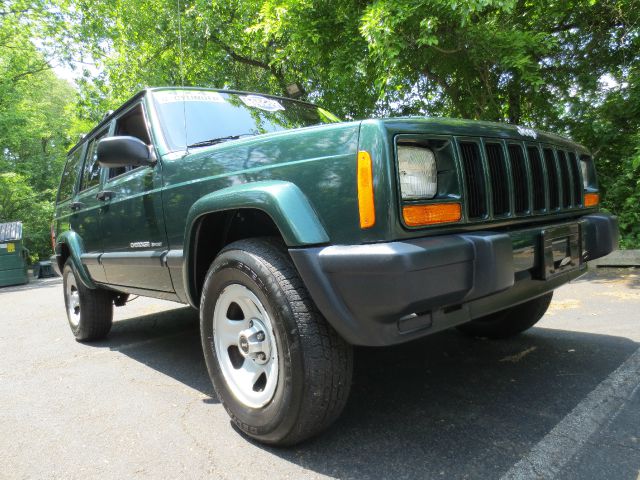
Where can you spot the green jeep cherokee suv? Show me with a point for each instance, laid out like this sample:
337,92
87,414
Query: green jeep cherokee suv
297,236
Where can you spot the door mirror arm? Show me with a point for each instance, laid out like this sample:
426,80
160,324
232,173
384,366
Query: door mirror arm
152,156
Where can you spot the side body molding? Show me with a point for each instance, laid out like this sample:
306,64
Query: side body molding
76,248
283,201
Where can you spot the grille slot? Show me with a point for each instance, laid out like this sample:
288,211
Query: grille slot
566,181
520,182
499,178
577,180
552,177
474,180
537,178
510,177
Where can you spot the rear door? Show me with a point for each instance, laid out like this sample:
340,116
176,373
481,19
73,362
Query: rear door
66,192
135,242
86,216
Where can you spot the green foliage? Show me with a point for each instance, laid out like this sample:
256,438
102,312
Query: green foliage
568,67
623,198
529,62
19,202
36,119
609,125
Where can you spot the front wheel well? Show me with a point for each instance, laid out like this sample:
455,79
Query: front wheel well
216,230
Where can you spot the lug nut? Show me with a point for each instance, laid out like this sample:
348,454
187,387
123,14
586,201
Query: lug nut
260,336
262,356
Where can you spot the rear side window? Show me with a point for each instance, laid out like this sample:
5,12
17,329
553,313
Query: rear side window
91,170
69,175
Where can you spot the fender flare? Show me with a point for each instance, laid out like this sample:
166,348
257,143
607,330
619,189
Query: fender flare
76,247
284,202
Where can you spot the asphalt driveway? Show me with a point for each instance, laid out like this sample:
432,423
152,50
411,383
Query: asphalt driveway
561,401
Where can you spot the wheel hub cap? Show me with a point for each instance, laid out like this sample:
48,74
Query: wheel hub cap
253,342
72,300
245,346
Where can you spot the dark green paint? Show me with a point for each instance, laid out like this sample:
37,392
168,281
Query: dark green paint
75,246
282,201
304,179
285,204
13,262
319,161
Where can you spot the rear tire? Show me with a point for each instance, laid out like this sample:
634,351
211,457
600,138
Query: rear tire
89,311
281,371
509,322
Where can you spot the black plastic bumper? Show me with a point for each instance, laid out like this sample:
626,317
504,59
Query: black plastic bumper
388,293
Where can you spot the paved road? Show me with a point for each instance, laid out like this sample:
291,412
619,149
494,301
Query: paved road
560,401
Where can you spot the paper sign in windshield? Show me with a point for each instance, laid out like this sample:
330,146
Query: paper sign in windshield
263,103
178,96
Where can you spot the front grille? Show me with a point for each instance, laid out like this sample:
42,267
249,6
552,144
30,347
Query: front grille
514,178
575,179
520,182
474,180
500,183
565,179
552,177
537,179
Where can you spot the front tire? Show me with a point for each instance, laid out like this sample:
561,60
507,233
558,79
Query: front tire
89,311
280,370
509,322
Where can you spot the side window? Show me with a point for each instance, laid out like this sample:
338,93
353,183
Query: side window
91,170
131,124
69,175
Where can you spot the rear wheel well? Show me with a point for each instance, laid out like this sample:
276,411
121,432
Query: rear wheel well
215,231
65,253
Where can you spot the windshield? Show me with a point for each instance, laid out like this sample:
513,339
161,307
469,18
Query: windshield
208,116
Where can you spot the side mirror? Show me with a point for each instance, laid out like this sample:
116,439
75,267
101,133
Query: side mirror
114,152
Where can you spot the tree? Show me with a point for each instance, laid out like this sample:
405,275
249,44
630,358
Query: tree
19,202
562,66
37,121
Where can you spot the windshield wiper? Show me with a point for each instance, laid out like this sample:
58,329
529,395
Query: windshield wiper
214,141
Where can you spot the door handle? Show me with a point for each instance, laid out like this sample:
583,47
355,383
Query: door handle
105,195
76,206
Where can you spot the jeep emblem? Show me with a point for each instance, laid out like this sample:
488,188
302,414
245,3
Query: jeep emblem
244,344
527,132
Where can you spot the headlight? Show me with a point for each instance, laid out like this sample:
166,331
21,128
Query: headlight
418,172
585,173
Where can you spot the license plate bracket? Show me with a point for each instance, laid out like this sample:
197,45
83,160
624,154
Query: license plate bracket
559,250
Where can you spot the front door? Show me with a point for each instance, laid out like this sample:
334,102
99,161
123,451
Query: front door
135,242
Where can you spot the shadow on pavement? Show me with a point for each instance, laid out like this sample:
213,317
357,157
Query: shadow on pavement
167,341
458,407
445,406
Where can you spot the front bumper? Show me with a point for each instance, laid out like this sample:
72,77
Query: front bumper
388,293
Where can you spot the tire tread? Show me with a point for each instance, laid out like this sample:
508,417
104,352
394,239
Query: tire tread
509,322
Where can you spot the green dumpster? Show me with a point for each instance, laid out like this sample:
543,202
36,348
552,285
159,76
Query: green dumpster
13,255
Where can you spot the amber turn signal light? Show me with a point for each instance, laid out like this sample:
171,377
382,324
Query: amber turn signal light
365,191
419,215
591,199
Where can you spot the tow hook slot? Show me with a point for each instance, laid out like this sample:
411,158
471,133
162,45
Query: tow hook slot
415,321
